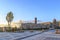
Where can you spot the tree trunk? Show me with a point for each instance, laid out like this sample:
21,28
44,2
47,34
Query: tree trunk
9,27
8,24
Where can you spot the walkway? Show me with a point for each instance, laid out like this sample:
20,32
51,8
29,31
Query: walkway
49,35
31,35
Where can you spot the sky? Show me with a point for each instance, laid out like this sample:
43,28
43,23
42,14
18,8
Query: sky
44,10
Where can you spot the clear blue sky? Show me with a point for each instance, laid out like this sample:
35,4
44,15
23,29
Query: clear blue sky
44,10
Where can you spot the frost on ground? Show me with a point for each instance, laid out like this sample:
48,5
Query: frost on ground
50,35
12,36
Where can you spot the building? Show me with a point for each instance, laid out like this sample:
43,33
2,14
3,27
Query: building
55,23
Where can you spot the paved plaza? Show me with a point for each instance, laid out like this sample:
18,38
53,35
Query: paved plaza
17,35
27,35
50,35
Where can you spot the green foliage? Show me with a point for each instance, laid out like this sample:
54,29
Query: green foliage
15,28
1,30
9,18
36,29
57,27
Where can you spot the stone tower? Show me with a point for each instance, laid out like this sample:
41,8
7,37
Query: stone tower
35,20
54,21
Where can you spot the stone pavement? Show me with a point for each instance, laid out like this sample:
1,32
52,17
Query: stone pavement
13,35
50,35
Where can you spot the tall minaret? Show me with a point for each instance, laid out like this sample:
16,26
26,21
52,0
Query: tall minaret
54,21
35,20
